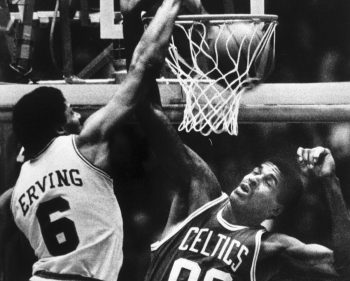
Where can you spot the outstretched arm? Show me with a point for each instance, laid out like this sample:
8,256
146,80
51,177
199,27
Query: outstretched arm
189,172
148,56
318,164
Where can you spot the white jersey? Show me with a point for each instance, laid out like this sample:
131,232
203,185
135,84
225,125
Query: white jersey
67,209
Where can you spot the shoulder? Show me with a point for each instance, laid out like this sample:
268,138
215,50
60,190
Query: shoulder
55,144
276,243
94,151
58,147
5,198
5,204
7,225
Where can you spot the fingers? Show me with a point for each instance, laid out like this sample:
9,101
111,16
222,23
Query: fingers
311,156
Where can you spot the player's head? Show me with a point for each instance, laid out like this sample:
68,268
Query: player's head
41,115
267,190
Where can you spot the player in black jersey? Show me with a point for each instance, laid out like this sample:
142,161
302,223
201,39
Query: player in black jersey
212,236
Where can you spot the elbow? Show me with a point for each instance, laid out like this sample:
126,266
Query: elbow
342,264
137,66
149,56
158,110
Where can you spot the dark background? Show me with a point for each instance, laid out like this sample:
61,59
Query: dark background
312,46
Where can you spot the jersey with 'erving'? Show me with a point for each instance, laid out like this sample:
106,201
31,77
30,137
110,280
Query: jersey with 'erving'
205,247
67,209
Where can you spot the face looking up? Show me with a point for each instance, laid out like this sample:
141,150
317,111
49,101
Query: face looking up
257,193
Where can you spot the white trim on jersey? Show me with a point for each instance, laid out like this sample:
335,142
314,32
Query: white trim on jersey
97,169
226,224
200,210
256,254
37,156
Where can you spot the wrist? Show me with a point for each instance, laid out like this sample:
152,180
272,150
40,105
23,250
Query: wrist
330,182
328,177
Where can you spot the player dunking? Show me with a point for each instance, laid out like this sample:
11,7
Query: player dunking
213,236
63,200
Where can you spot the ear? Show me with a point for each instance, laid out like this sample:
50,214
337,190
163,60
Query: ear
276,211
60,131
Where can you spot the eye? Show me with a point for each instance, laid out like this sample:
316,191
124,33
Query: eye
256,171
269,181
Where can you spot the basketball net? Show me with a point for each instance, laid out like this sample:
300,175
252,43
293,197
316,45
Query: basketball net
213,81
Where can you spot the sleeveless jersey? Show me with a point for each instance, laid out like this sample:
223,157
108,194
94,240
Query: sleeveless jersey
205,247
68,211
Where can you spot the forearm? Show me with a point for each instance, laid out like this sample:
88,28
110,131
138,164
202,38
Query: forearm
165,142
149,53
151,49
190,175
318,165
340,221
148,56
340,218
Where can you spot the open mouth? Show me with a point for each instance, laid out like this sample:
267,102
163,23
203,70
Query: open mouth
245,187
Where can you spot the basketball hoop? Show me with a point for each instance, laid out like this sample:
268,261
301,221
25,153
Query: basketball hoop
223,56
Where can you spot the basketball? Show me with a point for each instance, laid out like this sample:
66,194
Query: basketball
237,50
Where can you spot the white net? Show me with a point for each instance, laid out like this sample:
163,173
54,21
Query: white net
220,60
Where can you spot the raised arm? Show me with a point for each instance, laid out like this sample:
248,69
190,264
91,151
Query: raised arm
148,56
188,171
299,258
318,164
194,181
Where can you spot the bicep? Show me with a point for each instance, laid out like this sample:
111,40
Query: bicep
313,258
204,185
189,173
99,126
201,188
7,226
192,180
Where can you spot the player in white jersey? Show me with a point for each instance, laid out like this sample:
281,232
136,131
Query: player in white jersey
63,200
67,209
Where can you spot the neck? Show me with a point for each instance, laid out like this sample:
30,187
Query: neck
239,216
37,147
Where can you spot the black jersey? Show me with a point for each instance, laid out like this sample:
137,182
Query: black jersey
205,247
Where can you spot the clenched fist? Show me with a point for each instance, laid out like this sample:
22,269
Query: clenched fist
316,161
